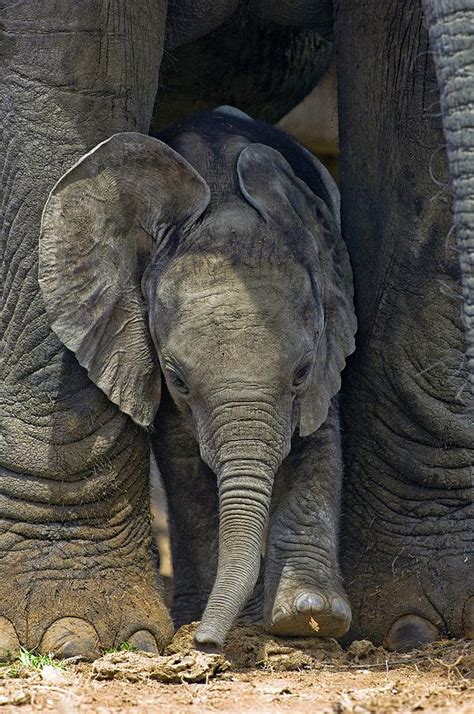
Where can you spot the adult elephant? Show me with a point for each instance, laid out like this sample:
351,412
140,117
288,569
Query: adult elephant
77,569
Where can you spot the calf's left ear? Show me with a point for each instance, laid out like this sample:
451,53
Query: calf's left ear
270,185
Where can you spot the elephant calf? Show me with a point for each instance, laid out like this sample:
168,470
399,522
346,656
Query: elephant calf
203,276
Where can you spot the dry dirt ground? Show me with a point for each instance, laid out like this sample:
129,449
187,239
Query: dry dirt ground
256,673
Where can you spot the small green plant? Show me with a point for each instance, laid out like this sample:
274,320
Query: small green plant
29,658
124,647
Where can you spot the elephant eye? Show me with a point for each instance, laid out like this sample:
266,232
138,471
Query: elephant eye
178,382
302,374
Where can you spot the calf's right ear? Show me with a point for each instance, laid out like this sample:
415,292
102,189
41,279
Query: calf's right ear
101,215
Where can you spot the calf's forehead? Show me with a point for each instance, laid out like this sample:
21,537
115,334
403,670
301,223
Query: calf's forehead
209,283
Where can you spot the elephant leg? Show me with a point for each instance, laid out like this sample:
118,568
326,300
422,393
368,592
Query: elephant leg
77,567
191,491
407,536
303,587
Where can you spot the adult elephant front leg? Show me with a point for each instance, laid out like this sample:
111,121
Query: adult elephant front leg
77,571
407,531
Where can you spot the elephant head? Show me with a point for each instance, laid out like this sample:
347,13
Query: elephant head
243,305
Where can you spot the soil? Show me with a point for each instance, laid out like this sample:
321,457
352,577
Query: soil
256,673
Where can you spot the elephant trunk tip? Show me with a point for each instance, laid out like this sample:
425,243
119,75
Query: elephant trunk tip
208,640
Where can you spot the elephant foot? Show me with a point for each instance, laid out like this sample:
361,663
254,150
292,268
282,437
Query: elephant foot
144,641
84,616
71,637
409,602
311,613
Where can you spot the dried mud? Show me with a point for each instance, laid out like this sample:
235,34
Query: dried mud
256,673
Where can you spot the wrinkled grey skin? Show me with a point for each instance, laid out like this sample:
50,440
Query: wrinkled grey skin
77,572
405,117
408,540
407,529
227,268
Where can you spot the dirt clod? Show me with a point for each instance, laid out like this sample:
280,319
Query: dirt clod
16,698
359,649
193,666
251,647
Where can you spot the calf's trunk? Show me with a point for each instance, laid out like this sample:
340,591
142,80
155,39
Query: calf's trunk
248,443
244,501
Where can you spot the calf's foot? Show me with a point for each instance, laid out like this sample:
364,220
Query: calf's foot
303,588
310,612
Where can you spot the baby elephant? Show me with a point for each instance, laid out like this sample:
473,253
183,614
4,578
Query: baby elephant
202,281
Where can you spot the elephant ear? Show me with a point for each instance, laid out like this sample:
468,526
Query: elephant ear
99,223
297,214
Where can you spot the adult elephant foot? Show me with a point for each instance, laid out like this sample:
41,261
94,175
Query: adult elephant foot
9,642
78,572
310,612
82,616
410,631
407,538
415,601
71,637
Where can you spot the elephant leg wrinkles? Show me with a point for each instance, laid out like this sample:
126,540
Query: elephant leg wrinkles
77,569
193,512
304,594
407,537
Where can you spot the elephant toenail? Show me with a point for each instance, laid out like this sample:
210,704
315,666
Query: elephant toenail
144,641
278,614
9,643
310,601
340,608
468,619
71,637
410,632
